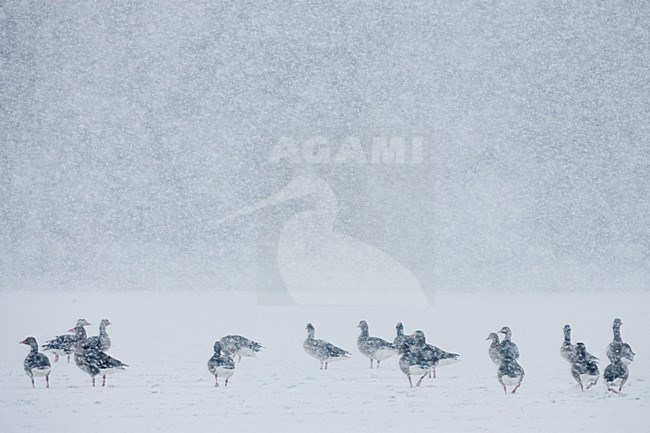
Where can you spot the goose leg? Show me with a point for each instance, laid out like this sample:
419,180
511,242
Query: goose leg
420,381
93,380
502,384
378,361
33,386
104,380
216,381
321,365
47,380
516,388
410,383
326,365
371,360
56,357
226,384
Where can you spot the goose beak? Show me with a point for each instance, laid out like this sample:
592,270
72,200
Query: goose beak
22,342
71,330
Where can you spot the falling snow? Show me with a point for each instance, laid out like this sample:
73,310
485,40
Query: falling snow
225,164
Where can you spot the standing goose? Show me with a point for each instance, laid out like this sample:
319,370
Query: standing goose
400,339
322,350
102,341
428,353
618,349
493,350
568,350
434,355
374,348
507,348
615,376
221,364
510,373
584,370
91,360
412,363
63,345
36,364
240,346
444,358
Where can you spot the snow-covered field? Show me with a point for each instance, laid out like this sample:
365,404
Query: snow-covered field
167,338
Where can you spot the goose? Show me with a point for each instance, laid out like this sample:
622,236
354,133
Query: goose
36,364
510,373
568,350
322,350
436,355
240,346
412,363
615,376
63,345
102,341
375,348
427,352
493,350
444,358
221,364
584,370
507,348
618,349
91,360
400,339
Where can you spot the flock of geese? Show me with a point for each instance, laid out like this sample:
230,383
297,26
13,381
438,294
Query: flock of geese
584,366
89,353
417,358
505,354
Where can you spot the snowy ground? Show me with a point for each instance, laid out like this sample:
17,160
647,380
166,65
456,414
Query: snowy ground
167,338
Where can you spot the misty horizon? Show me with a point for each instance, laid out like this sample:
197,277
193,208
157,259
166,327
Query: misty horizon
130,130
